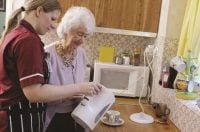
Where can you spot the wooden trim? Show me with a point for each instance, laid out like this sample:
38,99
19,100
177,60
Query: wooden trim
125,32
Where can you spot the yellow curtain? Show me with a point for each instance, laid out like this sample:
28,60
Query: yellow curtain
190,34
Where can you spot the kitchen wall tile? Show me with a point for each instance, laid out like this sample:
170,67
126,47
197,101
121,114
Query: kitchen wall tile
170,49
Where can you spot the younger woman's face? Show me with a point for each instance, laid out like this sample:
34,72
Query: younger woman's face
47,21
77,36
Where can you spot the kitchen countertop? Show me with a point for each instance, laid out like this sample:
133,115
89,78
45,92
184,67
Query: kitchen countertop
127,106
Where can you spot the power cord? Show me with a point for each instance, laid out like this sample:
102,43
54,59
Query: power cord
150,50
142,117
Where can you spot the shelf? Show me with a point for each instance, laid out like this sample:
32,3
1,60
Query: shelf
125,32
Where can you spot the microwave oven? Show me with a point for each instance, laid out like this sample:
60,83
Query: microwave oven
123,80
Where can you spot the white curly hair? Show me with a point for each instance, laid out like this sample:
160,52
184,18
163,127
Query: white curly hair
75,17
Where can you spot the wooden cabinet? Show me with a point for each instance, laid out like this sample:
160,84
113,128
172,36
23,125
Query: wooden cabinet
137,15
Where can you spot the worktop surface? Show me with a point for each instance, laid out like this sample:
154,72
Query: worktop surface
128,106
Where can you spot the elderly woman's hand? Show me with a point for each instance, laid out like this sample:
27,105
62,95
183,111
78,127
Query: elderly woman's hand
90,88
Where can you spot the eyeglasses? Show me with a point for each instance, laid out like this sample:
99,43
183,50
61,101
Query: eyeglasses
82,35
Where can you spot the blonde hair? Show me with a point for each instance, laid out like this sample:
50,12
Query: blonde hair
74,18
29,5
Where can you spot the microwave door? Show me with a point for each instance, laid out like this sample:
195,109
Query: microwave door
115,78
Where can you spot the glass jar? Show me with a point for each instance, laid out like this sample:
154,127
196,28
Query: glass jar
136,56
126,58
118,60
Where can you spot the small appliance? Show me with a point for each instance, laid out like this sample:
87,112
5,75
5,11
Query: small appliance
123,80
91,109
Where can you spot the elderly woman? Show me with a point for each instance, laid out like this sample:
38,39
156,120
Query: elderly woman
67,63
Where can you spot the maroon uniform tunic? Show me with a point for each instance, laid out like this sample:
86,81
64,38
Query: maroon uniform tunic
22,63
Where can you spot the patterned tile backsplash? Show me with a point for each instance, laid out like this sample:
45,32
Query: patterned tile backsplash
170,50
120,43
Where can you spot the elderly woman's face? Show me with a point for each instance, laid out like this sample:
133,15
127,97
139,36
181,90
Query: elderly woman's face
77,36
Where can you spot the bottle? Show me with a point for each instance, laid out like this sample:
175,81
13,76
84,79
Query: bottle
126,58
165,77
136,56
118,60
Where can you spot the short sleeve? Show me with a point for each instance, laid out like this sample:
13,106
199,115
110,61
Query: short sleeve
29,55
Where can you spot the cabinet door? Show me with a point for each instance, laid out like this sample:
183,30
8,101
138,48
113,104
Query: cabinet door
137,15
